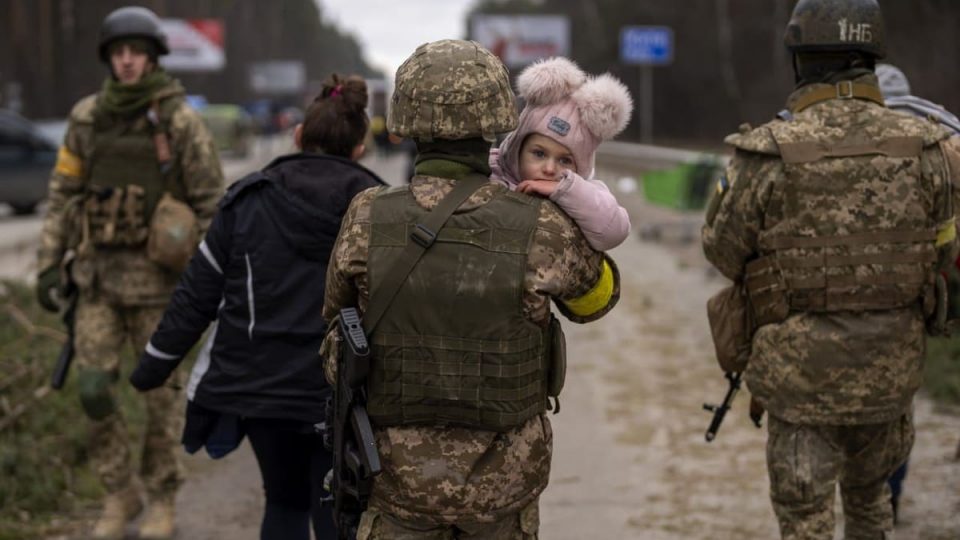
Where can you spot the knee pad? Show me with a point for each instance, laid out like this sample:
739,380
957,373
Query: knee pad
96,393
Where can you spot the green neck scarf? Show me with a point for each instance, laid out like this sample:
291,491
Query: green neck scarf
126,100
453,159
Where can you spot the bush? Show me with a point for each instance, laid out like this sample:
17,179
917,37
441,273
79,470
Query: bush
44,475
942,373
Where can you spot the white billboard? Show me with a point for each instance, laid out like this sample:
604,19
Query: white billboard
278,77
195,45
519,40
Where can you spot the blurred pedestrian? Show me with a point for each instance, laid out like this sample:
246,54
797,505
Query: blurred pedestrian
136,182
836,219
552,153
896,93
259,276
461,369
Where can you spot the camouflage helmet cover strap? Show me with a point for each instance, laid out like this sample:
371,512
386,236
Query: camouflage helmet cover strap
837,25
452,89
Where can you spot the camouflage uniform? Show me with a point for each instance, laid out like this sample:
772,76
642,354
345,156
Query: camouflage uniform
485,483
123,293
837,383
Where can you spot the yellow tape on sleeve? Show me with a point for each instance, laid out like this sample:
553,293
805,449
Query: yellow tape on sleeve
947,232
68,163
596,298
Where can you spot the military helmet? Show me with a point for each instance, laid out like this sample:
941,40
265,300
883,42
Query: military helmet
837,25
132,22
452,89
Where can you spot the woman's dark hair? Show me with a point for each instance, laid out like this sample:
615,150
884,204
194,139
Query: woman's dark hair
336,121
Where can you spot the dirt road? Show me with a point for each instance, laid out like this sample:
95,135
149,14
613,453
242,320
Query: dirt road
630,459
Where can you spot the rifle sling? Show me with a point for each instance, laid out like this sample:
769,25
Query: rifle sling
423,236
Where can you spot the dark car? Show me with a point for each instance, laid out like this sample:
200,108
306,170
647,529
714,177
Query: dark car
27,156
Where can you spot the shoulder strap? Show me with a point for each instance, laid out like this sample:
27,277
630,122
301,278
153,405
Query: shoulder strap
424,234
841,90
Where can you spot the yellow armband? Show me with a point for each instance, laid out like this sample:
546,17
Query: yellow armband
596,298
68,163
947,232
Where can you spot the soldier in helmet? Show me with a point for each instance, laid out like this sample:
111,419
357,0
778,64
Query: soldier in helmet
461,370
136,182
835,220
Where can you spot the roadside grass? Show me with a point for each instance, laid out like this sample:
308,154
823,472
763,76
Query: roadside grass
942,372
46,484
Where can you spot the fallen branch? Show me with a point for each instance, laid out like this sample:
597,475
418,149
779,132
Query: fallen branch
23,320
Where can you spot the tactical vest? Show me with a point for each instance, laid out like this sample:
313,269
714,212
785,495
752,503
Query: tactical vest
858,226
124,178
470,358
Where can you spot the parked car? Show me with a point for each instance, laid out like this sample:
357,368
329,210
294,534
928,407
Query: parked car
27,155
231,127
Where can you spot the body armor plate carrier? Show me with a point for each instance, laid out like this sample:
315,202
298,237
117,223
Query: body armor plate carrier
472,359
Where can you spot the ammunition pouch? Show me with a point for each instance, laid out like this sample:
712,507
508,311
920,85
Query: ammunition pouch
96,393
732,327
557,369
173,235
116,217
870,271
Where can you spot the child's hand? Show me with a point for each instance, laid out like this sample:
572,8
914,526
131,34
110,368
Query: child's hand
543,188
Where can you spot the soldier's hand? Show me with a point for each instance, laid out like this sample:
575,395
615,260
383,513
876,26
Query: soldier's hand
756,412
48,283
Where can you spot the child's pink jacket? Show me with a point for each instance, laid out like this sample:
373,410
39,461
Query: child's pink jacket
604,223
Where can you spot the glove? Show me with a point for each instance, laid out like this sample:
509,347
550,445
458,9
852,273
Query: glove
48,281
150,373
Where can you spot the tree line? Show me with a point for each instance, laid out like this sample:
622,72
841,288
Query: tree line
48,48
730,65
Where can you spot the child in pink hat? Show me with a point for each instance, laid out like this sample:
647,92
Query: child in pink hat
552,151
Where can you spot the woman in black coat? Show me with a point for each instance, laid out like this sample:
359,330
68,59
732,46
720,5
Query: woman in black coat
258,276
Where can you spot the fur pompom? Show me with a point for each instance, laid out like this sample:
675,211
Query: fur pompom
605,105
548,81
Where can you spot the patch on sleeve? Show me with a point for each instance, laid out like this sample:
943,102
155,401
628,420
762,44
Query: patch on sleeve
68,163
723,185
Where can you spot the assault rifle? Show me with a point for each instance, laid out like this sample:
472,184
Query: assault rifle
62,367
355,457
720,411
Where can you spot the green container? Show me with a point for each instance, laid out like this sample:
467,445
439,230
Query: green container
684,187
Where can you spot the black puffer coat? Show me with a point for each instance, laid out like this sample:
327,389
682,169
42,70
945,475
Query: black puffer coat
259,276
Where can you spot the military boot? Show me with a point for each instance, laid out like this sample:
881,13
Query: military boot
159,520
118,509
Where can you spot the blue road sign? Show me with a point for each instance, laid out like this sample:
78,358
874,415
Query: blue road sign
646,45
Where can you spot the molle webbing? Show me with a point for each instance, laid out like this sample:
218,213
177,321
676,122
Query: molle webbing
454,347
822,281
841,90
809,151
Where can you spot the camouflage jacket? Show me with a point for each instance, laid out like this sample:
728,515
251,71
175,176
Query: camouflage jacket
125,276
443,474
845,366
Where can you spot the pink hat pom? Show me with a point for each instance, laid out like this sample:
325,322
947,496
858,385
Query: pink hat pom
548,81
605,105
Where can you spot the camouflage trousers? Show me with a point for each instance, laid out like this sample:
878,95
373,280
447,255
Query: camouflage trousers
806,462
102,330
378,525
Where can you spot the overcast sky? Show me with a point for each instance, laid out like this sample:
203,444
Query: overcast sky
390,30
